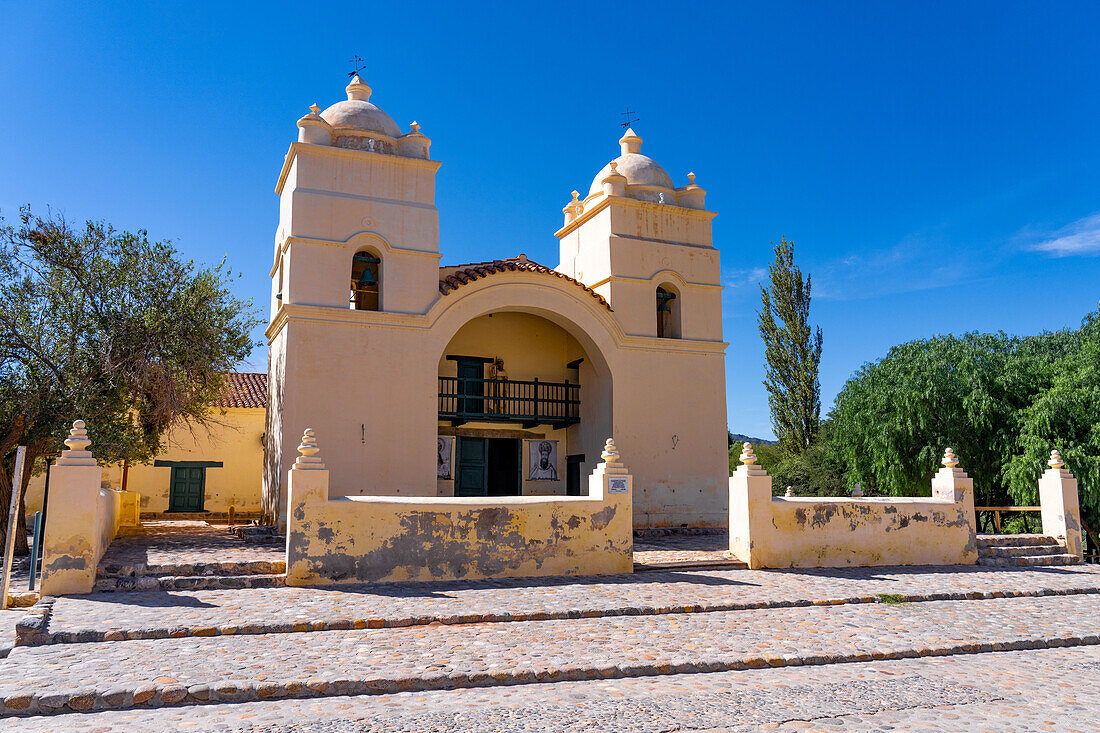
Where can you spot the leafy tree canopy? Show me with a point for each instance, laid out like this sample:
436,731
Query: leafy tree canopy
111,328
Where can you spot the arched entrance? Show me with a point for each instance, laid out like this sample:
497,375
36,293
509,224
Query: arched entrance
523,406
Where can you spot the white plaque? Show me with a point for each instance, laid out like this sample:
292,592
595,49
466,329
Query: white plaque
617,485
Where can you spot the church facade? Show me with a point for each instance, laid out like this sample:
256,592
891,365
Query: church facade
496,378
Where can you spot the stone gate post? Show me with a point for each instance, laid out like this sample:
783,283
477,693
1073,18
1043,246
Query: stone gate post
70,544
750,509
1059,502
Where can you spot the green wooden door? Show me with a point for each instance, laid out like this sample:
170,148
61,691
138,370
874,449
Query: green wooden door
473,455
187,490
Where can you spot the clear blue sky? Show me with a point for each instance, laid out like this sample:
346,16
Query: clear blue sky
936,164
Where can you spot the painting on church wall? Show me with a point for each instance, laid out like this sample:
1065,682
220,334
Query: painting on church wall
544,460
443,456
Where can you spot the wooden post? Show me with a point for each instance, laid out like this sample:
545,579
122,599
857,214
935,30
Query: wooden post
13,513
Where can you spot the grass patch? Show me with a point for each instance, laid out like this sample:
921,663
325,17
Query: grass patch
891,598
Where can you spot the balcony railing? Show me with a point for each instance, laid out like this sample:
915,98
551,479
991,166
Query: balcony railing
509,400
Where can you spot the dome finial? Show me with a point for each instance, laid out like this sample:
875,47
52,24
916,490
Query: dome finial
358,89
630,142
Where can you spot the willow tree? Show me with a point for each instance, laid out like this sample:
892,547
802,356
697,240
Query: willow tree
792,353
112,328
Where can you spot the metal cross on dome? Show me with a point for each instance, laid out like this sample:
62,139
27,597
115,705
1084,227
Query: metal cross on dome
358,65
629,120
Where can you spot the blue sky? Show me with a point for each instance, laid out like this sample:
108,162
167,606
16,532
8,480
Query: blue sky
936,164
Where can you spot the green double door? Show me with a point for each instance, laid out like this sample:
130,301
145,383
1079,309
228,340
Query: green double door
187,489
488,467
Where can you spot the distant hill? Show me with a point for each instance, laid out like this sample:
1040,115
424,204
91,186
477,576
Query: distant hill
738,438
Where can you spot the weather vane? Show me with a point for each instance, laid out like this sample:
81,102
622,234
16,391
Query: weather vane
358,64
629,120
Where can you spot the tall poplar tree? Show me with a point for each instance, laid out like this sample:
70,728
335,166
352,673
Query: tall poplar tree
792,352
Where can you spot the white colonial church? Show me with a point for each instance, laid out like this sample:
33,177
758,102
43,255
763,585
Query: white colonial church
497,378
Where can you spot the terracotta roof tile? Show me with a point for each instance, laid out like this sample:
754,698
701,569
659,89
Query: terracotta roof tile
455,276
244,389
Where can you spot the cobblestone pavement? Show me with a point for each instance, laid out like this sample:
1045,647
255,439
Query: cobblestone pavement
153,613
677,549
1036,690
183,542
195,669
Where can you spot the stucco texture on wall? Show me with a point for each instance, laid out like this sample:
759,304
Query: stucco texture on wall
368,539
792,532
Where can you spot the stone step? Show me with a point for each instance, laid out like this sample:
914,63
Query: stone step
251,567
189,582
1014,540
236,668
1024,550
1030,561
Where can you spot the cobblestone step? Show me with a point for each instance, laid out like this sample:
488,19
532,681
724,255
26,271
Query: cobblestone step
160,614
188,582
1029,561
1023,551
250,567
163,672
1013,540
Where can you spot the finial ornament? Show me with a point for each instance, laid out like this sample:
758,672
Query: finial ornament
949,458
308,450
415,126
747,456
610,452
1056,461
691,178
857,490
576,195
78,437
614,168
314,108
789,492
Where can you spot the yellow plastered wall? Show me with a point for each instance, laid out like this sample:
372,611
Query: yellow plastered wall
369,539
235,442
795,532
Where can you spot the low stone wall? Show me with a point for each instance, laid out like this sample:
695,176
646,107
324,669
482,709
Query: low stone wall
796,532
374,538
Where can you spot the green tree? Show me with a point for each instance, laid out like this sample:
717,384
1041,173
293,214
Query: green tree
1065,416
111,328
792,352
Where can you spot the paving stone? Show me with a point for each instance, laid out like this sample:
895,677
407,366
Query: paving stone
362,661
1004,692
264,610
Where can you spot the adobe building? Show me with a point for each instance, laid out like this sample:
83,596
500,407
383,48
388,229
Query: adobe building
497,378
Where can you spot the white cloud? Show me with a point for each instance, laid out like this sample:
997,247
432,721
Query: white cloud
742,278
1082,237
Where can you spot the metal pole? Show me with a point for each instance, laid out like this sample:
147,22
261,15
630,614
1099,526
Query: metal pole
36,547
13,512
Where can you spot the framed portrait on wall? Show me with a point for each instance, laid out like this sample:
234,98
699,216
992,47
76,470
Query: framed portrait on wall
443,447
544,460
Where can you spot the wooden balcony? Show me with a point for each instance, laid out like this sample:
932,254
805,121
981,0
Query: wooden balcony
463,399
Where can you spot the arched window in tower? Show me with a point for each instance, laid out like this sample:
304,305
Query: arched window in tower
668,312
366,282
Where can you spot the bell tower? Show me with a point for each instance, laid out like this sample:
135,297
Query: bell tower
358,239
645,245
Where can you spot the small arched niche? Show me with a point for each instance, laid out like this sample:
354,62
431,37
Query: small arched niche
365,292
668,311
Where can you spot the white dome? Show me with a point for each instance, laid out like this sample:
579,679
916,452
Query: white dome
357,114
640,170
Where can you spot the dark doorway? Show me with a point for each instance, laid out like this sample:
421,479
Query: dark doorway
573,474
187,489
504,467
488,467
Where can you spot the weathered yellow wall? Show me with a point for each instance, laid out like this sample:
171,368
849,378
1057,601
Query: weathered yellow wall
235,442
366,539
782,532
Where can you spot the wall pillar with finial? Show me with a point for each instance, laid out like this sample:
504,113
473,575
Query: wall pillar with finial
952,484
1060,505
612,482
70,544
308,488
750,510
